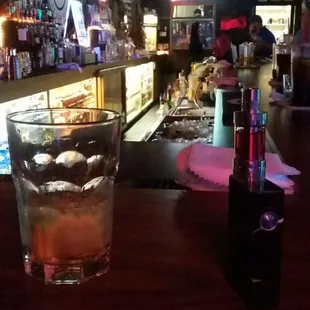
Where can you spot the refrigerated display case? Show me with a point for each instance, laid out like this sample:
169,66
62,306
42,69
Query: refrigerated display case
81,94
139,89
34,101
276,17
183,18
125,86
133,92
147,87
110,92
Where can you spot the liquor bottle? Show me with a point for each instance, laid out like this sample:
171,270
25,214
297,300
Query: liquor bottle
256,208
163,109
49,53
169,95
183,84
60,52
12,8
22,37
46,11
27,9
17,12
14,72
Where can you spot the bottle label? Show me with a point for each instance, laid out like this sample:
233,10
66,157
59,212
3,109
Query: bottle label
37,40
22,34
60,52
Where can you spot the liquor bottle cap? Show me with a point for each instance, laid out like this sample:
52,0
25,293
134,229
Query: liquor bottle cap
13,52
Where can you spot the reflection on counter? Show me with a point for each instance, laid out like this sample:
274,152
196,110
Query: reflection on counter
139,89
80,94
35,101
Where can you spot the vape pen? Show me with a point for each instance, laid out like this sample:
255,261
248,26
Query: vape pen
250,132
255,211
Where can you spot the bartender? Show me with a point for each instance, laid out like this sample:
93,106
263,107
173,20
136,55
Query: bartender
303,35
196,51
262,37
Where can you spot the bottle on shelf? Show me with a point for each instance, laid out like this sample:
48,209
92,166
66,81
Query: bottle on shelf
183,84
14,72
169,95
31,28
163,106
11,9
47,14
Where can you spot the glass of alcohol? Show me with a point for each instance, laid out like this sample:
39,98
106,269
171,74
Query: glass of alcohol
64,162
300,70
281,60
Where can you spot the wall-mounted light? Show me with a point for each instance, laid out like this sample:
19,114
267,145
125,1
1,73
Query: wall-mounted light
2,19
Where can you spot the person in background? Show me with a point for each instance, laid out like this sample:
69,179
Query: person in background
196,51
222,47
233,27
262,37
303,35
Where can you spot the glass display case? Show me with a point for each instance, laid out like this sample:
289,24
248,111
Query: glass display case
183,18
110,90
81,94
35,101
139,89
127,88
147,87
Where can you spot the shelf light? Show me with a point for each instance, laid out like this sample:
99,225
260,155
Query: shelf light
150,19
2,20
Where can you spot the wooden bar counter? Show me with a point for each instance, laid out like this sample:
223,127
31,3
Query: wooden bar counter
168,245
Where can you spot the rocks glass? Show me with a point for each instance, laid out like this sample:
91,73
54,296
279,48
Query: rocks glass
63,166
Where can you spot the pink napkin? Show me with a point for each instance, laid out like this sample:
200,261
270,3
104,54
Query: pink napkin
188,179
204,167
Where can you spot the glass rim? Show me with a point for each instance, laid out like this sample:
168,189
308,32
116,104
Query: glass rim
10,117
